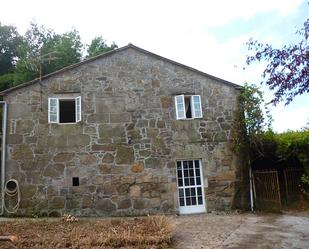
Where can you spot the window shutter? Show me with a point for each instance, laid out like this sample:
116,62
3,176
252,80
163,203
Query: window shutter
196,106
78,108
53,109
180,107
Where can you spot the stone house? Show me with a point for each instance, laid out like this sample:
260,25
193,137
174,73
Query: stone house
125,133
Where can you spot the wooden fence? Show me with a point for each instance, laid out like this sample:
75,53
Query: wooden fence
266,189
292,182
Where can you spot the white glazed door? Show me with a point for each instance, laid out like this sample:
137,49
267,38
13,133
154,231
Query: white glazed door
190,187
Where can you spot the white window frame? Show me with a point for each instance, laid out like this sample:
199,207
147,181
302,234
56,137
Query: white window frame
193,109
78,109
180,99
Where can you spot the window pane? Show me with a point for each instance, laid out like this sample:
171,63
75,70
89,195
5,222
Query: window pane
199,191
192,182
188,201
197,172
180,182
181,201
185,164
193,200
179,173
190,164
198,180
186,181
196,106
181,192
78,109
191,172
200,200
52,110
187,191
180,107
192,191
186,173
197,164
178,165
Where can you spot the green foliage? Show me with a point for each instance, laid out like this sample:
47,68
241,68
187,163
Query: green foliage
98,46
294,144
46,51
41,51
286,149
305,178
6,81
9,42
250,120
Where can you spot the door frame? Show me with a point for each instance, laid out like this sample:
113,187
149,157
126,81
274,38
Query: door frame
197,208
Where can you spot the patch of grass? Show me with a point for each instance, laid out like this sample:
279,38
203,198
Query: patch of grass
145,232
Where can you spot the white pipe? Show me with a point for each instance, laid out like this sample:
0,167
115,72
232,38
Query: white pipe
251,192
4,123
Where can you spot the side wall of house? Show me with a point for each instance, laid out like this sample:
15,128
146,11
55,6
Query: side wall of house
125,149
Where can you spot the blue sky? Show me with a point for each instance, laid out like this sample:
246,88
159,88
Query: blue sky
207,35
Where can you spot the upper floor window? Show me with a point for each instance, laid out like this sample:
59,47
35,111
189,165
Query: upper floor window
64,110
188,107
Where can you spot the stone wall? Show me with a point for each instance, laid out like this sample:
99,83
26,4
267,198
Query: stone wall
125,149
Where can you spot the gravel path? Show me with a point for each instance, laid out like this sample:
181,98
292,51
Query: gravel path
242,231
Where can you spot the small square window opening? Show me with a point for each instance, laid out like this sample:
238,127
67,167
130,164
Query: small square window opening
75,181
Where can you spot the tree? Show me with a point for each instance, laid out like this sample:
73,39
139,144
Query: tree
287,71
249,124
41,51
9,43
98,46
46,51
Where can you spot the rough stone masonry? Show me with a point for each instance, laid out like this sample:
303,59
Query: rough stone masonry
124,151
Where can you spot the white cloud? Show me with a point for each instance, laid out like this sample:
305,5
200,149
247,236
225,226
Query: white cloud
290,118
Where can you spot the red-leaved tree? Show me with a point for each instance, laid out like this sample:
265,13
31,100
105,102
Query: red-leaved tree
287,70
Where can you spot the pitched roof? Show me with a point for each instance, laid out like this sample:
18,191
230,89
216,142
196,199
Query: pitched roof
112,52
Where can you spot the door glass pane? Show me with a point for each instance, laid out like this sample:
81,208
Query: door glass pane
186,181
181,201
187,191
193,200
180,184
192,183
198,180
185,164
197,164
186,173
199,191
179,173
197,172
188,201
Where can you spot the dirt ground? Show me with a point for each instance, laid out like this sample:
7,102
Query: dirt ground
289,230
223,231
